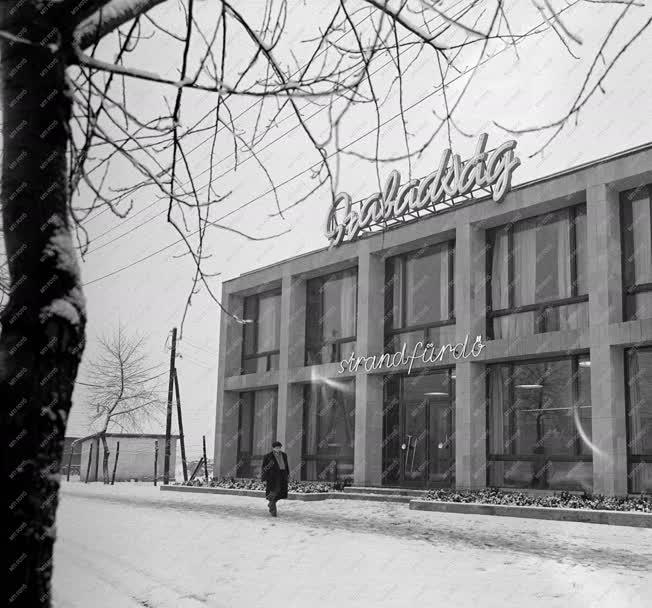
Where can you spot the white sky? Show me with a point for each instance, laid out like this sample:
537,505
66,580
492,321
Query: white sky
517,92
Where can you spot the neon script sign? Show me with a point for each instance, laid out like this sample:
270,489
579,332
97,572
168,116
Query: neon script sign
454,178
428,353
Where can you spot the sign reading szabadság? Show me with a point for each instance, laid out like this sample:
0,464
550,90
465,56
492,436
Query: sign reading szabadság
489,171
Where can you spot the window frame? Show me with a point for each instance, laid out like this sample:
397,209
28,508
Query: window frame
325,455
548,458
390,331
539,307
631,289
632,459
248,464
268,354
335,343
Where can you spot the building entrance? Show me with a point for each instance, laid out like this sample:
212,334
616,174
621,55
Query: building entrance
418,431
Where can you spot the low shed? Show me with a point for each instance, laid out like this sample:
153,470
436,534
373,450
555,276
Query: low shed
137,457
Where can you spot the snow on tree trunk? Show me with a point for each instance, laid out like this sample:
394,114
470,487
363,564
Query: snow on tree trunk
105,460
43,323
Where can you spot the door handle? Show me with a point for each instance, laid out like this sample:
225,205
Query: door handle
407,449
414,451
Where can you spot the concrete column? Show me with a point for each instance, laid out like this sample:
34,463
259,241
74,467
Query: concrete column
470,426
292,353
227,410
470,386
367,468
609,435
604,256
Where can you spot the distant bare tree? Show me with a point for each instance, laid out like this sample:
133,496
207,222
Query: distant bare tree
121,388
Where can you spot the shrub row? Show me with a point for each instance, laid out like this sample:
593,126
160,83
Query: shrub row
305,487
566,500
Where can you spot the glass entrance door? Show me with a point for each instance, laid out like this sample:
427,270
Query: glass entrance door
416,437
418,448
441,467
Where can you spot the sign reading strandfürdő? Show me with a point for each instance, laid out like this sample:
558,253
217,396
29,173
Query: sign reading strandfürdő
428,353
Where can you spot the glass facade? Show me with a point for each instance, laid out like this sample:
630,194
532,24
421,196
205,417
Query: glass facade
636,228
537,275
331,317
523,404
261,337
328,430
539,424
419,295
639,419
256,429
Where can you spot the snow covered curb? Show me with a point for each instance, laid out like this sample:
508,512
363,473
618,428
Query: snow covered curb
614,518
305,496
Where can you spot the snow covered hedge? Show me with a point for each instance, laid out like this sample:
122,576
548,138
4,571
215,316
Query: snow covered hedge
566,500
305,487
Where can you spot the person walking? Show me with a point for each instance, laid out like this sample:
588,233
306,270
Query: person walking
274,472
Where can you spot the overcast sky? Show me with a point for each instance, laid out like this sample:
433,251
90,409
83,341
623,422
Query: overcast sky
535,87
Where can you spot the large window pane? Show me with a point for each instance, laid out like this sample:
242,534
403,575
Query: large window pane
392,431
329,430
262,333
257,430
426,287
537,261
639,419
539,424
269,322
542,259
499,276
249,329
639,240
419,287
639,306
581,251
637,252
331,315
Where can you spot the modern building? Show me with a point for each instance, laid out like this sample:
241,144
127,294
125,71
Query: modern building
545,299
136,456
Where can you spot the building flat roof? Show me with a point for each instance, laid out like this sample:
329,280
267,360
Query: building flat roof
528,184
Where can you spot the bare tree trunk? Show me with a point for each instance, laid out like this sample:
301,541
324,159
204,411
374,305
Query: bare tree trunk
43,324
105,460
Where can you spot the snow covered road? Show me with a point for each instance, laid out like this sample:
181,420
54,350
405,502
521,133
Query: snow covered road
131,545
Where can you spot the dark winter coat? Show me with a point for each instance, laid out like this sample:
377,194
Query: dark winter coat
276,480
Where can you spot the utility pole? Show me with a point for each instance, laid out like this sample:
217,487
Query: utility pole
181,437
168,420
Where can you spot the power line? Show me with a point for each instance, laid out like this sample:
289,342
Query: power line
139,381
265,147
308,169
188,343
218,130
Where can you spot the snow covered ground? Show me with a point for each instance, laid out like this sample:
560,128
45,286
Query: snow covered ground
131,545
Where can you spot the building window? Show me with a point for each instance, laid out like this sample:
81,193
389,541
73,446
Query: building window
331,317
636,207
256,429
539,423
260,352
329,430
419,295
537,275
639,419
